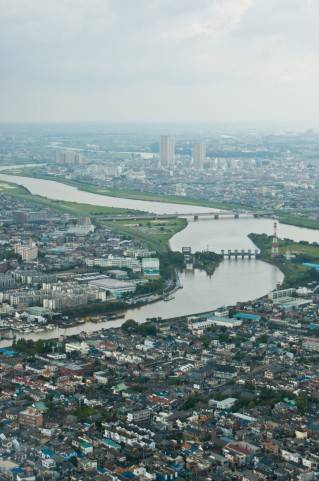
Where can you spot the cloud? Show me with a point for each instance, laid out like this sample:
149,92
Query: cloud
222,17
158,59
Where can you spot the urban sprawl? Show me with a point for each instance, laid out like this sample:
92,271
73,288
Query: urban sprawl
229,394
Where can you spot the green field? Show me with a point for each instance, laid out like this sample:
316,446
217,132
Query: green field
299,221
155,233
14,189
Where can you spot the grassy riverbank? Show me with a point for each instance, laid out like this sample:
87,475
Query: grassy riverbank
122,193
74,208
155,233
290,259
299,221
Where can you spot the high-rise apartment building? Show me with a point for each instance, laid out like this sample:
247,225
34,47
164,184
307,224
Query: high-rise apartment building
27,252
69,157
199,155
167,151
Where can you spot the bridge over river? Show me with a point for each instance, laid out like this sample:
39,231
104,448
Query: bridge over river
195,215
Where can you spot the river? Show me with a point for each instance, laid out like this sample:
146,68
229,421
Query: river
233,281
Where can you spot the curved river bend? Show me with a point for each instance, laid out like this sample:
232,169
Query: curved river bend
233,281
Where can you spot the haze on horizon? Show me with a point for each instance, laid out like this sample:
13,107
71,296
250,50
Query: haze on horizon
159,60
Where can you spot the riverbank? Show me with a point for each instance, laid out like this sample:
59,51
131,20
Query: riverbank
31,172
156,234
123,193
290,259
232,281
298,221
64,207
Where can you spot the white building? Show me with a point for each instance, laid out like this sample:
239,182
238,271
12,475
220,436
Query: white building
224,404
201,324
82,228
115,261
116,287
77,346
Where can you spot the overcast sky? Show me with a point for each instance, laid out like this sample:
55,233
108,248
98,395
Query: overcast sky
159,60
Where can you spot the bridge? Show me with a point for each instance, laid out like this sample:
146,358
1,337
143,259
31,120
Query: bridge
240,253
228,215
194,215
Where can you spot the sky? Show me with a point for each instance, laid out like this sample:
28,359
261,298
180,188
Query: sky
159,60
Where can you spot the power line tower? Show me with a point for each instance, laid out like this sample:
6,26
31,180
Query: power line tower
274,247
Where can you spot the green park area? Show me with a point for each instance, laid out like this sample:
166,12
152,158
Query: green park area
155,233
291,258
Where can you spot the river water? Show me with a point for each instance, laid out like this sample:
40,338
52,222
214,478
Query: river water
234,280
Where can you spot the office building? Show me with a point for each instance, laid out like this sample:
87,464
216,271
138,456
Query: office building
167,151
199,156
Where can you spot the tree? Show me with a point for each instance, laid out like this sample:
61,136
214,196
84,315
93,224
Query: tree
130,325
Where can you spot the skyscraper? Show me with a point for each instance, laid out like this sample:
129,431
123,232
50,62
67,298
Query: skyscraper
199,155
167,151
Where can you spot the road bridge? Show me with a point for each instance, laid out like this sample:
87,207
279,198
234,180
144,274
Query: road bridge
194,215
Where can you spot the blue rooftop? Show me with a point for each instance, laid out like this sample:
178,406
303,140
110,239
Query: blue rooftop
7,352
310,264
48,452
246,315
